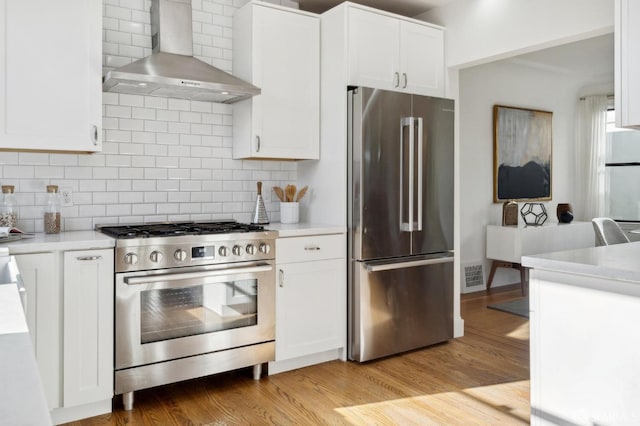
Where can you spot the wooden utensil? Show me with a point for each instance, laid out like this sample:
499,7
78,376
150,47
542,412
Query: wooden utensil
301,193
290,192
279,193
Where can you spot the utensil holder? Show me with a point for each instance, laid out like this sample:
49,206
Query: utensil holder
289,212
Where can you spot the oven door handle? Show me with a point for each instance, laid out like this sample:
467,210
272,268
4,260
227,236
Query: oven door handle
199,274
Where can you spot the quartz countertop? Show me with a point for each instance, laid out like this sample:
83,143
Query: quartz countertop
73,240
619,262
22,400
303,229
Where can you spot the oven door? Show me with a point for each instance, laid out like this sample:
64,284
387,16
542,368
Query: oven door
174,313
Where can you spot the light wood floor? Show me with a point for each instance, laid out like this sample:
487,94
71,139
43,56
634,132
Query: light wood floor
481,378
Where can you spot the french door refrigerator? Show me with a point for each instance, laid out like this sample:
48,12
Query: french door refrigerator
400,221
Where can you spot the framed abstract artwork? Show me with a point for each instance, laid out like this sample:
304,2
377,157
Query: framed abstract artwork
521,154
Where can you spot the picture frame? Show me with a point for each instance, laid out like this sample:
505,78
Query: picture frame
522,154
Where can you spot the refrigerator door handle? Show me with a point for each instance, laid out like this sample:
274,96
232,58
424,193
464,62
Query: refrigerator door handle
404,123
420,175
377,267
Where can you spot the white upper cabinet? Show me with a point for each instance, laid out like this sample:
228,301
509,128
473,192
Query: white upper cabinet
51,75
392,53
278,50
627,63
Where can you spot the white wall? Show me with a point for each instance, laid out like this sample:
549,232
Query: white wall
479,31
483,31
162,159
509,83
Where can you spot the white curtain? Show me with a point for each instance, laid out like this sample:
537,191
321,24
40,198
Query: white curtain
590,157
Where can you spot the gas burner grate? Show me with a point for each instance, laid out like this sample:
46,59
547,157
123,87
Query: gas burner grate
177,229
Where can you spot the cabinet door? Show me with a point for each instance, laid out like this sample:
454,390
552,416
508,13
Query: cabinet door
285,117
627,64
310,308
373,54
50,74
421,59
88,326
40,276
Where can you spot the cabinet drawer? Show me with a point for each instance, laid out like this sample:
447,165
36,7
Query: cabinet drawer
310,248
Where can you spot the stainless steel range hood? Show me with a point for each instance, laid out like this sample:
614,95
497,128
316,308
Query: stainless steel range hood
172,71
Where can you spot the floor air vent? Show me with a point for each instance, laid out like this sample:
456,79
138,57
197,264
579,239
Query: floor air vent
473,276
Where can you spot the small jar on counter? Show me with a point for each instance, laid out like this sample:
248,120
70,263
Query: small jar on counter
8,212
52,211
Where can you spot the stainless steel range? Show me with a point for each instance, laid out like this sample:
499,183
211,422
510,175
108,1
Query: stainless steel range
191,299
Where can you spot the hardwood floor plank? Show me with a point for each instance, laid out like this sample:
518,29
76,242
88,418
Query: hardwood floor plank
481,378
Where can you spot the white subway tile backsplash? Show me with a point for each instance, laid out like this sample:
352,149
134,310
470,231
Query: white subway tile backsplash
178,197
143,41
181,128
131,100
155,126
118,111
202,129
117,12
117,136
107,198
144,185
143,209
131,26
179,104
178,174
168,115
155,102
156,173
131,173
167,138
197,106
132,149
31,158
161,158
143,113
78,173
154,197
143,161
191,140
49,172
142,137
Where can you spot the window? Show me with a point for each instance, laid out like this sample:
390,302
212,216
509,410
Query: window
622,172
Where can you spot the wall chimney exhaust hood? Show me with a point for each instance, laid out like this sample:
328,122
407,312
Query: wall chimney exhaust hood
171,70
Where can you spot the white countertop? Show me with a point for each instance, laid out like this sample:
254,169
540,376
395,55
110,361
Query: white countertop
73,240
619,262
302,229
22,400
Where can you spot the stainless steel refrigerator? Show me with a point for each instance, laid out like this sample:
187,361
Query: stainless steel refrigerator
400,220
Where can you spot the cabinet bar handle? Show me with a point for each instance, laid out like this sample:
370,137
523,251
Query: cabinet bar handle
281,278
312,248
396,78
258,143
89,258
404,74
94,135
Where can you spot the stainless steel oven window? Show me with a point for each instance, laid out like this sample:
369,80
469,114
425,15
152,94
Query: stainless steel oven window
171,313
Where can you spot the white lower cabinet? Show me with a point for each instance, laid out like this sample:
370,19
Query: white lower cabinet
40,274
310,301
88,326
70,319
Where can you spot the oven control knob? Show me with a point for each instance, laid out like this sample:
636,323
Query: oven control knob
180,255
264,248
223,251
237,250
130,258
156,256
251,249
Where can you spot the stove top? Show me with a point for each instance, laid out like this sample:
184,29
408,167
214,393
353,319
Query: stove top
172,229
